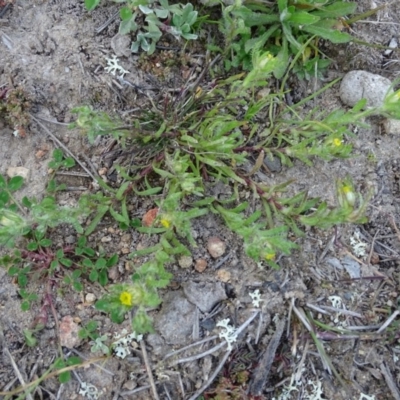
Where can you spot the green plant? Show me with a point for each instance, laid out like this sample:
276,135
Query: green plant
284,29
189,146
60,161
14,108
159,17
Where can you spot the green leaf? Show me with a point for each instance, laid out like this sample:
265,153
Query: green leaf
94,275
112,260
151,191
13,270
329,34
122,189
26,202
283,60
81,241
46,242
64,377
76,274
77,286
118,217
66,262
87,263
58,155
3,182
69,162
30,340
117,316
89,252
22,280
336,10
302,18
32,246
101,263
96,220
15,183
103,278
60,253
92,326
25,306
125,13
91,4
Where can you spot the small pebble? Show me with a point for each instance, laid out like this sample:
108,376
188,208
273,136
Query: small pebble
216,247
90,298
223,275
106,239
113,273
149,217
18,171
185,261
200,265
357,85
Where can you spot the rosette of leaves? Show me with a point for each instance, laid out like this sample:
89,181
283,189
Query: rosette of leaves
159,17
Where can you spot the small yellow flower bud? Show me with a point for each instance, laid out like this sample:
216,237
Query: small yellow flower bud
270,256
165,223
337,142
126,299
347,190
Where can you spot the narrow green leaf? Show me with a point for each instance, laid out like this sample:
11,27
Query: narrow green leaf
329,34
122,189
96,220
303,18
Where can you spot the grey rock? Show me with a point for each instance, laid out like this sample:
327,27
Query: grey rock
357,85
205,295
392,126
176,318
121,45
157,344
273,164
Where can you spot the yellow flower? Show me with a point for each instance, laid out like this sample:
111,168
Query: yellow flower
125,298
270,256
165,223
337,142
349,194
347,189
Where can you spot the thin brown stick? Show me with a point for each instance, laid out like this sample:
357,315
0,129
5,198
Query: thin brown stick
17,372
261,372
212,377
66,149
148,369
390,381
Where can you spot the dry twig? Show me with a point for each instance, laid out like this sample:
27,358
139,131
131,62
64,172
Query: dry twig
148,369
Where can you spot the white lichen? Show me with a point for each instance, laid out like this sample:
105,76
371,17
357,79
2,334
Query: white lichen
122,345
359,247
229,334
256,297
113,67
89,391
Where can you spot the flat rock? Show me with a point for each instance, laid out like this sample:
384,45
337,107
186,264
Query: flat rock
392,126
357,85
176,318
205,295
18,171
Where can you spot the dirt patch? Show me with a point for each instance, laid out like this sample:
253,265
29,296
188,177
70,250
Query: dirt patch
52,50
